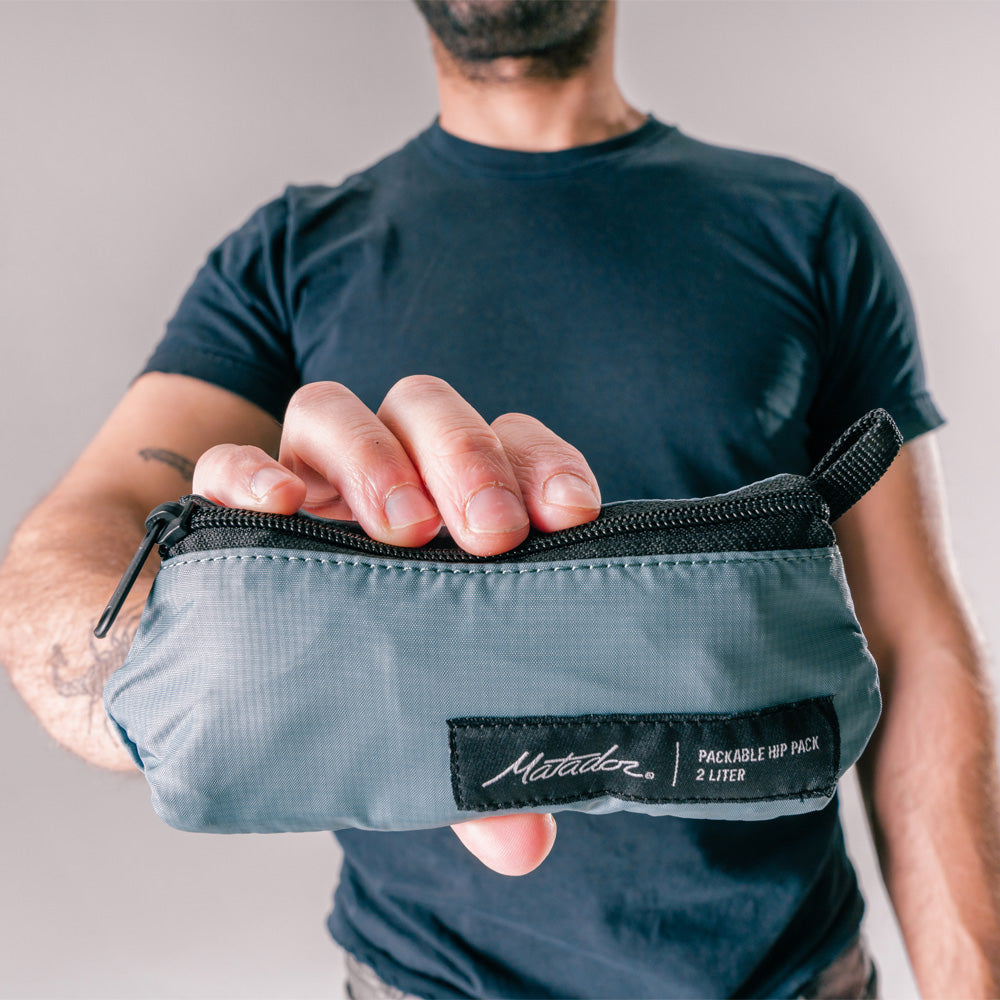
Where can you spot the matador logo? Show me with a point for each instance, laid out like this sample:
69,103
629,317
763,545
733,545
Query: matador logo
541,768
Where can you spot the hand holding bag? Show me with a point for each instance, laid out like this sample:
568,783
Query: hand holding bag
696,658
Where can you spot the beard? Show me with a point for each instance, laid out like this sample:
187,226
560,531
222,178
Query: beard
558,36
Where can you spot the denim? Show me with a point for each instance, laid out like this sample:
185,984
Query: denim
851,976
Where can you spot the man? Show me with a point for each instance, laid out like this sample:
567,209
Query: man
691,319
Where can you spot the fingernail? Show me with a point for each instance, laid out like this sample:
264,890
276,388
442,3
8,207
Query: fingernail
569,490
406,505
267,479
493,510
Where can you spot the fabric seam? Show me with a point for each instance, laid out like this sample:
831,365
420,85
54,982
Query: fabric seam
473,570
601,161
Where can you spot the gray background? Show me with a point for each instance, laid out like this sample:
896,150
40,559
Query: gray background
134,135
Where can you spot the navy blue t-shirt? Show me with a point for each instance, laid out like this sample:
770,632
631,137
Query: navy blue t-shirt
692,318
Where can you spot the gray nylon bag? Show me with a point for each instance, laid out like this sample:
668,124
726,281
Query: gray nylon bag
696,658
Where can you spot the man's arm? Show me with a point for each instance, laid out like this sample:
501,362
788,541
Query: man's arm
424,458
930,774
67,556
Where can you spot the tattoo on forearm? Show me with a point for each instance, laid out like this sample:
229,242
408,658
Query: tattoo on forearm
183,465
103,658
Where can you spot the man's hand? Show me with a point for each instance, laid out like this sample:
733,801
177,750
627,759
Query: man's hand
426,458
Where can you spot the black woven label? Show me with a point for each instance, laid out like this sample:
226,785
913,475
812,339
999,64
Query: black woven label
784,752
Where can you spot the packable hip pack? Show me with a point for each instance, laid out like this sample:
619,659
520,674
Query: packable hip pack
696,658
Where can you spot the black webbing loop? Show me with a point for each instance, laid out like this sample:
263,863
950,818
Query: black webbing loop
856,461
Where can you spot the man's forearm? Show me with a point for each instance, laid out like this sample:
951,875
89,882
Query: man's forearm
931,784
62,565
66,559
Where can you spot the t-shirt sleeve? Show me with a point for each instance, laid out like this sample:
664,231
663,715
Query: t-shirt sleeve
872,351
232,326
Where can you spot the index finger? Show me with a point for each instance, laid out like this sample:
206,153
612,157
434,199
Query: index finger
347,458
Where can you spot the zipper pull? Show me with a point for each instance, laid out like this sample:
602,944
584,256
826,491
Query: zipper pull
167,523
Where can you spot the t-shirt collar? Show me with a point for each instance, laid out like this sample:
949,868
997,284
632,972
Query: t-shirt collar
491,159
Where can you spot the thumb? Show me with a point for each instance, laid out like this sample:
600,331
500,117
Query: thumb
245,476
510,845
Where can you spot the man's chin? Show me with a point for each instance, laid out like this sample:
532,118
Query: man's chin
553,39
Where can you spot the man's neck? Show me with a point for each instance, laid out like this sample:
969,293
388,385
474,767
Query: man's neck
500,104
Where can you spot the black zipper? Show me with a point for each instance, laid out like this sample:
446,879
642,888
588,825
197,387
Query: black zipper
615,519
173,527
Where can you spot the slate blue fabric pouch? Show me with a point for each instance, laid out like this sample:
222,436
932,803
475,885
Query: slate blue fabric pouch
696,658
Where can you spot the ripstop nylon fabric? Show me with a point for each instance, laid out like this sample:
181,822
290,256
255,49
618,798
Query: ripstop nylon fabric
272,691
